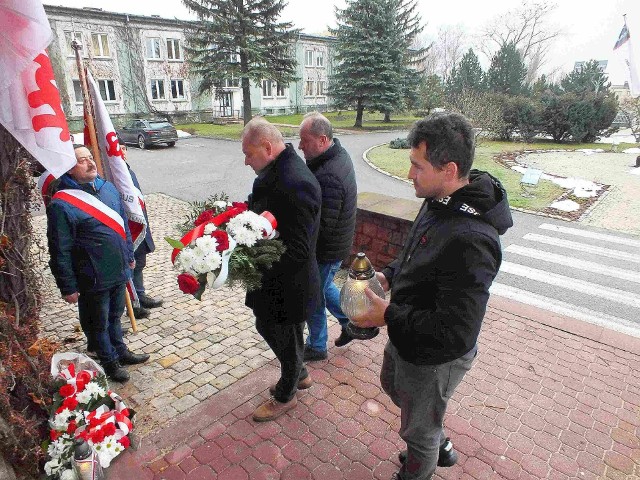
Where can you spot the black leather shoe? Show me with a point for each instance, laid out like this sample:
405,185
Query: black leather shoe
141,312
115,372
313,355
148,302
130,358
447,456
343,339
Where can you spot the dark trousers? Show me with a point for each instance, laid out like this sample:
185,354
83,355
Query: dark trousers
422,393
141,261
100,314
287,342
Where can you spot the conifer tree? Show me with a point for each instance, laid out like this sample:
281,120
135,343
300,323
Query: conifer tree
588,78
241,39
373,55
467,75
507,72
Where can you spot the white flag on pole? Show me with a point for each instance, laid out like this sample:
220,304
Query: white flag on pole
115,168
30,106
630,60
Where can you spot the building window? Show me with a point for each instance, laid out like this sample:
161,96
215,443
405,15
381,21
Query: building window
308,58
70,37
308,88
77,91
319,59
153,47
232,82
157,89
100,43
267,88
281,90
107,90
321,85
173,49
177,89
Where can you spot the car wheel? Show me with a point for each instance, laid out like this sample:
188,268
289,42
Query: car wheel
141,143
171,144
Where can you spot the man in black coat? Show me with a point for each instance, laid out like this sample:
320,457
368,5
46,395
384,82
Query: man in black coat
439,287
146,246
332,166
290,289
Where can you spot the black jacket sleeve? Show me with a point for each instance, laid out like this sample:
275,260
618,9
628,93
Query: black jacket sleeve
61,232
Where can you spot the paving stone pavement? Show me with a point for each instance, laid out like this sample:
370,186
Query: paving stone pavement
540,402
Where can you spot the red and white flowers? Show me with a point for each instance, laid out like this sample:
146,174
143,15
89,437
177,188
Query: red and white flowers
84,407
228,243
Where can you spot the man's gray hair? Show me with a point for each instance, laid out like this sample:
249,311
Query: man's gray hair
318,125
259,128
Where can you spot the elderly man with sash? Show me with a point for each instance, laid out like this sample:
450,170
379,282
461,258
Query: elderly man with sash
91,258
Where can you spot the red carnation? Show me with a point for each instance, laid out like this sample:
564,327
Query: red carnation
54,434
70,402
241,205
204,217
82,379
67,390
124,441
84,435
97,436
109,429
72,427
222,238
188,283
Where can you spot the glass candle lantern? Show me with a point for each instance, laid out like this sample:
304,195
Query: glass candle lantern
85,461
354,301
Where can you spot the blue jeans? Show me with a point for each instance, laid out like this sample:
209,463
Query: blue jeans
100,314
330,299
141,261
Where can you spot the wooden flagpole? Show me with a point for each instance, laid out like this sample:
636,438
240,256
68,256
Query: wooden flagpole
95,150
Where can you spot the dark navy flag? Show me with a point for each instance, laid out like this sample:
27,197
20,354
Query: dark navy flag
623,37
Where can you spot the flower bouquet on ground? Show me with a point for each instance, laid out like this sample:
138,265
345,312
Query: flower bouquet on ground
84,407
224,242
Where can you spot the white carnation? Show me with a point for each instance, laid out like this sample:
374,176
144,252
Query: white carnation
68,475
53,466
213,261
185,259
207,244
220,205
209,228
61,420
91,391
201,266
58,447
246,228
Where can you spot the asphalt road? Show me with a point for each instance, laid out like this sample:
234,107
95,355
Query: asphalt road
584,272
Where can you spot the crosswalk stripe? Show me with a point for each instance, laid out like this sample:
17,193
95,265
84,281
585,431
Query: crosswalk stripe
563,308
583,247
593,235
593,267
576,285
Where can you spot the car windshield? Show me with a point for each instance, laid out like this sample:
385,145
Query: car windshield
159,124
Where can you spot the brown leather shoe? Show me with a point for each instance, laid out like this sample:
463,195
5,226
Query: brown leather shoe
302,385
272,409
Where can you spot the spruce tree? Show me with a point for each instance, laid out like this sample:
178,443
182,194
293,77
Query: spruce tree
467,75
588,78
373,56
241,39
507,72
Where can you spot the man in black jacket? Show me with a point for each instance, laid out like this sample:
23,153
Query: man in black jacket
290,289
439,287
332,166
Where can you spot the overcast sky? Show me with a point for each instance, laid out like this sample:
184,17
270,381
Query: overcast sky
589,28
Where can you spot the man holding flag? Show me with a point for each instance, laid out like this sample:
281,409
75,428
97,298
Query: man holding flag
91,255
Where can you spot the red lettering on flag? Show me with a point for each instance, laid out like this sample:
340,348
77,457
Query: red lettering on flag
47,95
113,146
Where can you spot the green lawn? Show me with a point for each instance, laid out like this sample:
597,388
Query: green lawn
345,120
396,162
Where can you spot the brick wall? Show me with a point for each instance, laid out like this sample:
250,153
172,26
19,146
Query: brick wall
382,226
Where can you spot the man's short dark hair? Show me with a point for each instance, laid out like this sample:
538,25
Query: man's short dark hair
318,125
78,145
449,137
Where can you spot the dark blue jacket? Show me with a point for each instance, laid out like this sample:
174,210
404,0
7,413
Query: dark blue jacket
147,245
86,255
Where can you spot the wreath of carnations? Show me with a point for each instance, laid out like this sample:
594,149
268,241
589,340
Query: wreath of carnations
226,244
84,407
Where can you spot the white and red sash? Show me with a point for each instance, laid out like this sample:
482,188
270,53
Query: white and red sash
93,207
43,185
104,214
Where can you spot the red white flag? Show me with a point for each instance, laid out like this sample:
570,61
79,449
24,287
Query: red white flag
30,107
115,168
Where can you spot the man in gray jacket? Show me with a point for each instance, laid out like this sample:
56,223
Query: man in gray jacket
332,166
